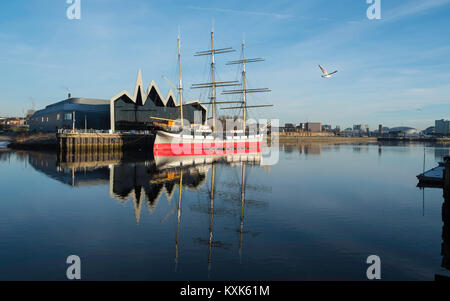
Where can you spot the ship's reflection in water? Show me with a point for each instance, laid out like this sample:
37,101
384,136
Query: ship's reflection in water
145,181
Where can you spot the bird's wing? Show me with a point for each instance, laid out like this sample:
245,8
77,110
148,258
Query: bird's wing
323,70
332,72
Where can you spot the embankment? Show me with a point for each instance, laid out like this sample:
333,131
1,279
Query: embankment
35,142
327,139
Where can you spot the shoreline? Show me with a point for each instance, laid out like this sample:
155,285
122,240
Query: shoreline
328,139
414,139
49,141
6,138
32,142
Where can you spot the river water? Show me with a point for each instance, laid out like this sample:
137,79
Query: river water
315,215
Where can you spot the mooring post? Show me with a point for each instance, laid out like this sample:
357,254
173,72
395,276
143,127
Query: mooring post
447,174
445,249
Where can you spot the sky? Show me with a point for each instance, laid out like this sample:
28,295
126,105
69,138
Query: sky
393,71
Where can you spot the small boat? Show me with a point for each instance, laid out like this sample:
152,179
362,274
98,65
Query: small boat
433,176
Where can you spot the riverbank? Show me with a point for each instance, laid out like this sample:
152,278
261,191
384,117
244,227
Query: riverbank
40,141
49,141
328,139
6,138
415,139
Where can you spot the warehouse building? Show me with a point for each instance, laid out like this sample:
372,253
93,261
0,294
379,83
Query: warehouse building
79,113
122,112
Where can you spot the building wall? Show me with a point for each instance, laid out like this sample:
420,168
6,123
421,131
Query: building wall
314,127
93,113
129,115
135,112
442,127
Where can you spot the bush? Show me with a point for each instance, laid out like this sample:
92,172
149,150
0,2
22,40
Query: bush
19,129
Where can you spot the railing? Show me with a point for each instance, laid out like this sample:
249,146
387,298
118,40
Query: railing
92,131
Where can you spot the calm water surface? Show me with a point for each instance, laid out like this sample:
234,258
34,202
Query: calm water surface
316,215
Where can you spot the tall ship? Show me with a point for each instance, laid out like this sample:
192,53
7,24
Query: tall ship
213,138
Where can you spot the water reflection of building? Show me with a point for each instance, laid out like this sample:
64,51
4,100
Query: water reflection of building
304,148
76,173
141,182
440,153
360,149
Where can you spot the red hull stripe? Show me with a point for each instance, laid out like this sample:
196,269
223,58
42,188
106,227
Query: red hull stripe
175,146
205,149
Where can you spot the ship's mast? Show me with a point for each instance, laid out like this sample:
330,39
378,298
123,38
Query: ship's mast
211,219
213,89
180,84
244,89
244,92
213,84
241,229
178,220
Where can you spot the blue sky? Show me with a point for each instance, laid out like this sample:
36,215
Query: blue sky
394,71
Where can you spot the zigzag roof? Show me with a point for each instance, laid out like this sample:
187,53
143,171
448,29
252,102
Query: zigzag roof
141,97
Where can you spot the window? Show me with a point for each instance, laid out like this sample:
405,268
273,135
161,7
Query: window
68,116
58,116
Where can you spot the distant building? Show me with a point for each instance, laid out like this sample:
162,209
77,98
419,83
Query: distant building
361,129
403,131
348,132
29,114
289,127
302,126
428,131
314,126
326,128
442,127
14,121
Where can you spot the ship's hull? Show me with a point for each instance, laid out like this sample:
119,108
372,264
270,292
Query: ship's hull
173,144
167,162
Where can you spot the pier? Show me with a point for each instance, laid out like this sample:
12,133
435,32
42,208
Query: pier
95,142
445,246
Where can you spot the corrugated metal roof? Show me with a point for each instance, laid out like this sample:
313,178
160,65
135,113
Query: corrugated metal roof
75,104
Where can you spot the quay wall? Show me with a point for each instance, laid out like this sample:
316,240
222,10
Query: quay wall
95,142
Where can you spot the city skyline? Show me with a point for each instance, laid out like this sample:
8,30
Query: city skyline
392,71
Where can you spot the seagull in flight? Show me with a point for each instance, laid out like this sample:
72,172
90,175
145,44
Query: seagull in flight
325,73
